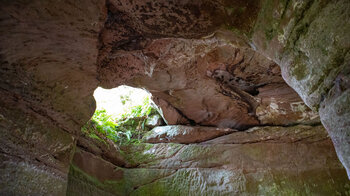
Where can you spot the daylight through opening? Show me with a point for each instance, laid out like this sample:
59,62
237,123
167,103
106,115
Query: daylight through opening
122,115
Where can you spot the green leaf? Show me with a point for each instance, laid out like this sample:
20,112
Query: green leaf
126,127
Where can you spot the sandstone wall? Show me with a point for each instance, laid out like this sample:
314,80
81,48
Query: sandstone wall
48,52
53,55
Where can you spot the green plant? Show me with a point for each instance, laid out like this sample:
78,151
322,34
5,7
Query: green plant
89,130
126,129
140,110
124,99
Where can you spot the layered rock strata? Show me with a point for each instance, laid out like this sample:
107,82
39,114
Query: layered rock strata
184,134
263,161
53,55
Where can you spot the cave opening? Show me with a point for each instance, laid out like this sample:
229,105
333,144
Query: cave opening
122,114
232,124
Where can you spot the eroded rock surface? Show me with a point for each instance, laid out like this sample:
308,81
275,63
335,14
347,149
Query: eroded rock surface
335,115
280,105
310,41
272,134
170,115
294,160
184,134
48,52
209,82
213,63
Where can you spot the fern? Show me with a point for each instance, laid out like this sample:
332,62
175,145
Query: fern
129,128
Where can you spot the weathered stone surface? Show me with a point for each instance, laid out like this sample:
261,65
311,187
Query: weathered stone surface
48,56
48,52
335,115
280,105
184,134
273,134
87,177
107,149
170,115
34,153
102,170
28,135
170,74
310,41
131,22
219,182
18,177
154,120
209,81
297,161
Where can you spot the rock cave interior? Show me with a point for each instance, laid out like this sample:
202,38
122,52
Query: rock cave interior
174,97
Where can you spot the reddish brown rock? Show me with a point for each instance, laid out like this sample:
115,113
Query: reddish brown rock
297,160
208,82
274,134
48,74
107,150
303,38
169,113
184,134
101,169
48,56
281,105
172,69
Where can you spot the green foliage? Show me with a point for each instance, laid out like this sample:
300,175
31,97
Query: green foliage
140,110
89,129
124,99
129,128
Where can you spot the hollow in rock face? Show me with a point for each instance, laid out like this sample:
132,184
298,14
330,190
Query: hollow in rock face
248,97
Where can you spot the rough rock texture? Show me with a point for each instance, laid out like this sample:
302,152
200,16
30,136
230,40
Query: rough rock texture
184,134
35,153
297,161
280,105
108,150
335,115
48,55
213,62
27,178
170,115
310,41
211,80
274,134
48,52
131,22
208,81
